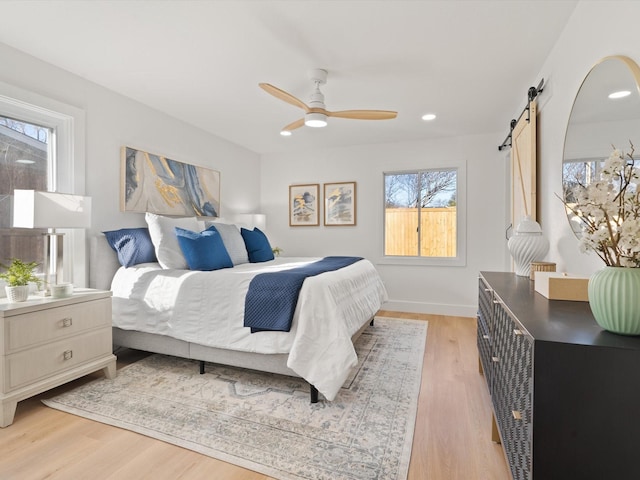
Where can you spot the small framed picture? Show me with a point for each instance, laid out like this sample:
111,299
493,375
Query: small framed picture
340,203
304,205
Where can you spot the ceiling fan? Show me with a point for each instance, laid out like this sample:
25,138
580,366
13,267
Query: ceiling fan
315,113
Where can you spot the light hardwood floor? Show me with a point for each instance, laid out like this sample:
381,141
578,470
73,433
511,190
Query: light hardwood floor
452,439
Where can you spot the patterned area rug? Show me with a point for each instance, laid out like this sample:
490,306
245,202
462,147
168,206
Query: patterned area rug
264,422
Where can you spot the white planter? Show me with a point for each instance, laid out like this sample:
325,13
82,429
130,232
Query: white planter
17,294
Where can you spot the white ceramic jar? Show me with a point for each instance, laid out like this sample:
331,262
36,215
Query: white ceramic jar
527,245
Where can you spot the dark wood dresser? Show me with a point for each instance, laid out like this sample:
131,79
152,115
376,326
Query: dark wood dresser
565,393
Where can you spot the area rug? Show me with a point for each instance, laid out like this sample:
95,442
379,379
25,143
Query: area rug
264,422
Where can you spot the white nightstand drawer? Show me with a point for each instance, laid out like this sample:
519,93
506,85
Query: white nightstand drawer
30,365
35,328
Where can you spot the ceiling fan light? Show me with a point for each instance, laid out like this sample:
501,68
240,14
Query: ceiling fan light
285,133
315,120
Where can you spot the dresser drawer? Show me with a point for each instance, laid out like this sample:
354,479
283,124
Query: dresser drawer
34,364
35,328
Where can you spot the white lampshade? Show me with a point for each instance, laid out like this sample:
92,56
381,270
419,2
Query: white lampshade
253,220
35,209
260,221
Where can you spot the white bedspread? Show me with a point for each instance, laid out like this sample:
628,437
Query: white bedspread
207,308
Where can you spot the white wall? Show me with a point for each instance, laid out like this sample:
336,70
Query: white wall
113,120
595,30
450,290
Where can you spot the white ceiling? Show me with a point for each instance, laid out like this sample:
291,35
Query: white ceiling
470,62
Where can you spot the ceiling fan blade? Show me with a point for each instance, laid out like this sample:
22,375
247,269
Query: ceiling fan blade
364,114
294,125
284,96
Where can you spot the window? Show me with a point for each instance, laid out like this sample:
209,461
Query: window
575,173
423,218
41,148
579,172
25,163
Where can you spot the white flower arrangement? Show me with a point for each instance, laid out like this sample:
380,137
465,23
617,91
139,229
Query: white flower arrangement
609,209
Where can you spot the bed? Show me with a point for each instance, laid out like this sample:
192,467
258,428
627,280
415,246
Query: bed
199,314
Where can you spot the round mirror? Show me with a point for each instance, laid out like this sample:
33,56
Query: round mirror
605,114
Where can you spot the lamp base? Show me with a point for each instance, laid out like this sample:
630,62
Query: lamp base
52,266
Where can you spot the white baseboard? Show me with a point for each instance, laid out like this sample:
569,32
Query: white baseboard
431,308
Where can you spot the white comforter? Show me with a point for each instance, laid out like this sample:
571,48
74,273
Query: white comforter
207,308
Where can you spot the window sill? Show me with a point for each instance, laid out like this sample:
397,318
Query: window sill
422,261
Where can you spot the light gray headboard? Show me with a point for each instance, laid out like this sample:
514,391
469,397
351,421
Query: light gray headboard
103,263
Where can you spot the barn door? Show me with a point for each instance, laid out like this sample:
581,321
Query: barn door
523,166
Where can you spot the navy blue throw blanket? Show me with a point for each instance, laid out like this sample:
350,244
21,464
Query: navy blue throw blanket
272,297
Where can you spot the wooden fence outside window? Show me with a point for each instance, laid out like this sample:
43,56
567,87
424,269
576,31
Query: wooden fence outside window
438,227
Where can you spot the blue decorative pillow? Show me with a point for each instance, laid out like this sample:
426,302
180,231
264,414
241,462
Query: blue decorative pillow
133,245
204,250
257,244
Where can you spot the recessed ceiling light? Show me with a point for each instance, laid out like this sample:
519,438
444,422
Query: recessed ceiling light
285,133
429,116
620,94
25,161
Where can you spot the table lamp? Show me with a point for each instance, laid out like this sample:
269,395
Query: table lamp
253,220
51,210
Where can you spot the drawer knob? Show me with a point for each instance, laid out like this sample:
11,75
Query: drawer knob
67,322
516,415
68,354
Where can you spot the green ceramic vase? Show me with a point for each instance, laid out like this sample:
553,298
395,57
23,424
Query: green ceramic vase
614,297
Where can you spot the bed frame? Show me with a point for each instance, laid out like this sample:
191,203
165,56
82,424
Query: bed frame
103,265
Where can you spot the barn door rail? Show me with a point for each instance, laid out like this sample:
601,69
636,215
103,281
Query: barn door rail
532,93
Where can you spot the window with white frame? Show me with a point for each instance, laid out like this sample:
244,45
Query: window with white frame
26,161
424,217
41,148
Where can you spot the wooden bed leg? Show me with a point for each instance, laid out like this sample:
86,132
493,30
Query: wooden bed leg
201,367
314,393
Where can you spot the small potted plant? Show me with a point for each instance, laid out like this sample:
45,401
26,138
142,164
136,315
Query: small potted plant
18,275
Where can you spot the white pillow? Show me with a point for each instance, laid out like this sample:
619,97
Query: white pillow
233,241
163,235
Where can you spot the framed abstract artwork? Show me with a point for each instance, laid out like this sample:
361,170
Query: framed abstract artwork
339,204
304,205
157,184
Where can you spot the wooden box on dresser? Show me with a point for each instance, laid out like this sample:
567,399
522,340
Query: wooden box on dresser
565,393
45,342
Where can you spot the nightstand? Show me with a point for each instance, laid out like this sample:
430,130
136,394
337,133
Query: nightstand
45,342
